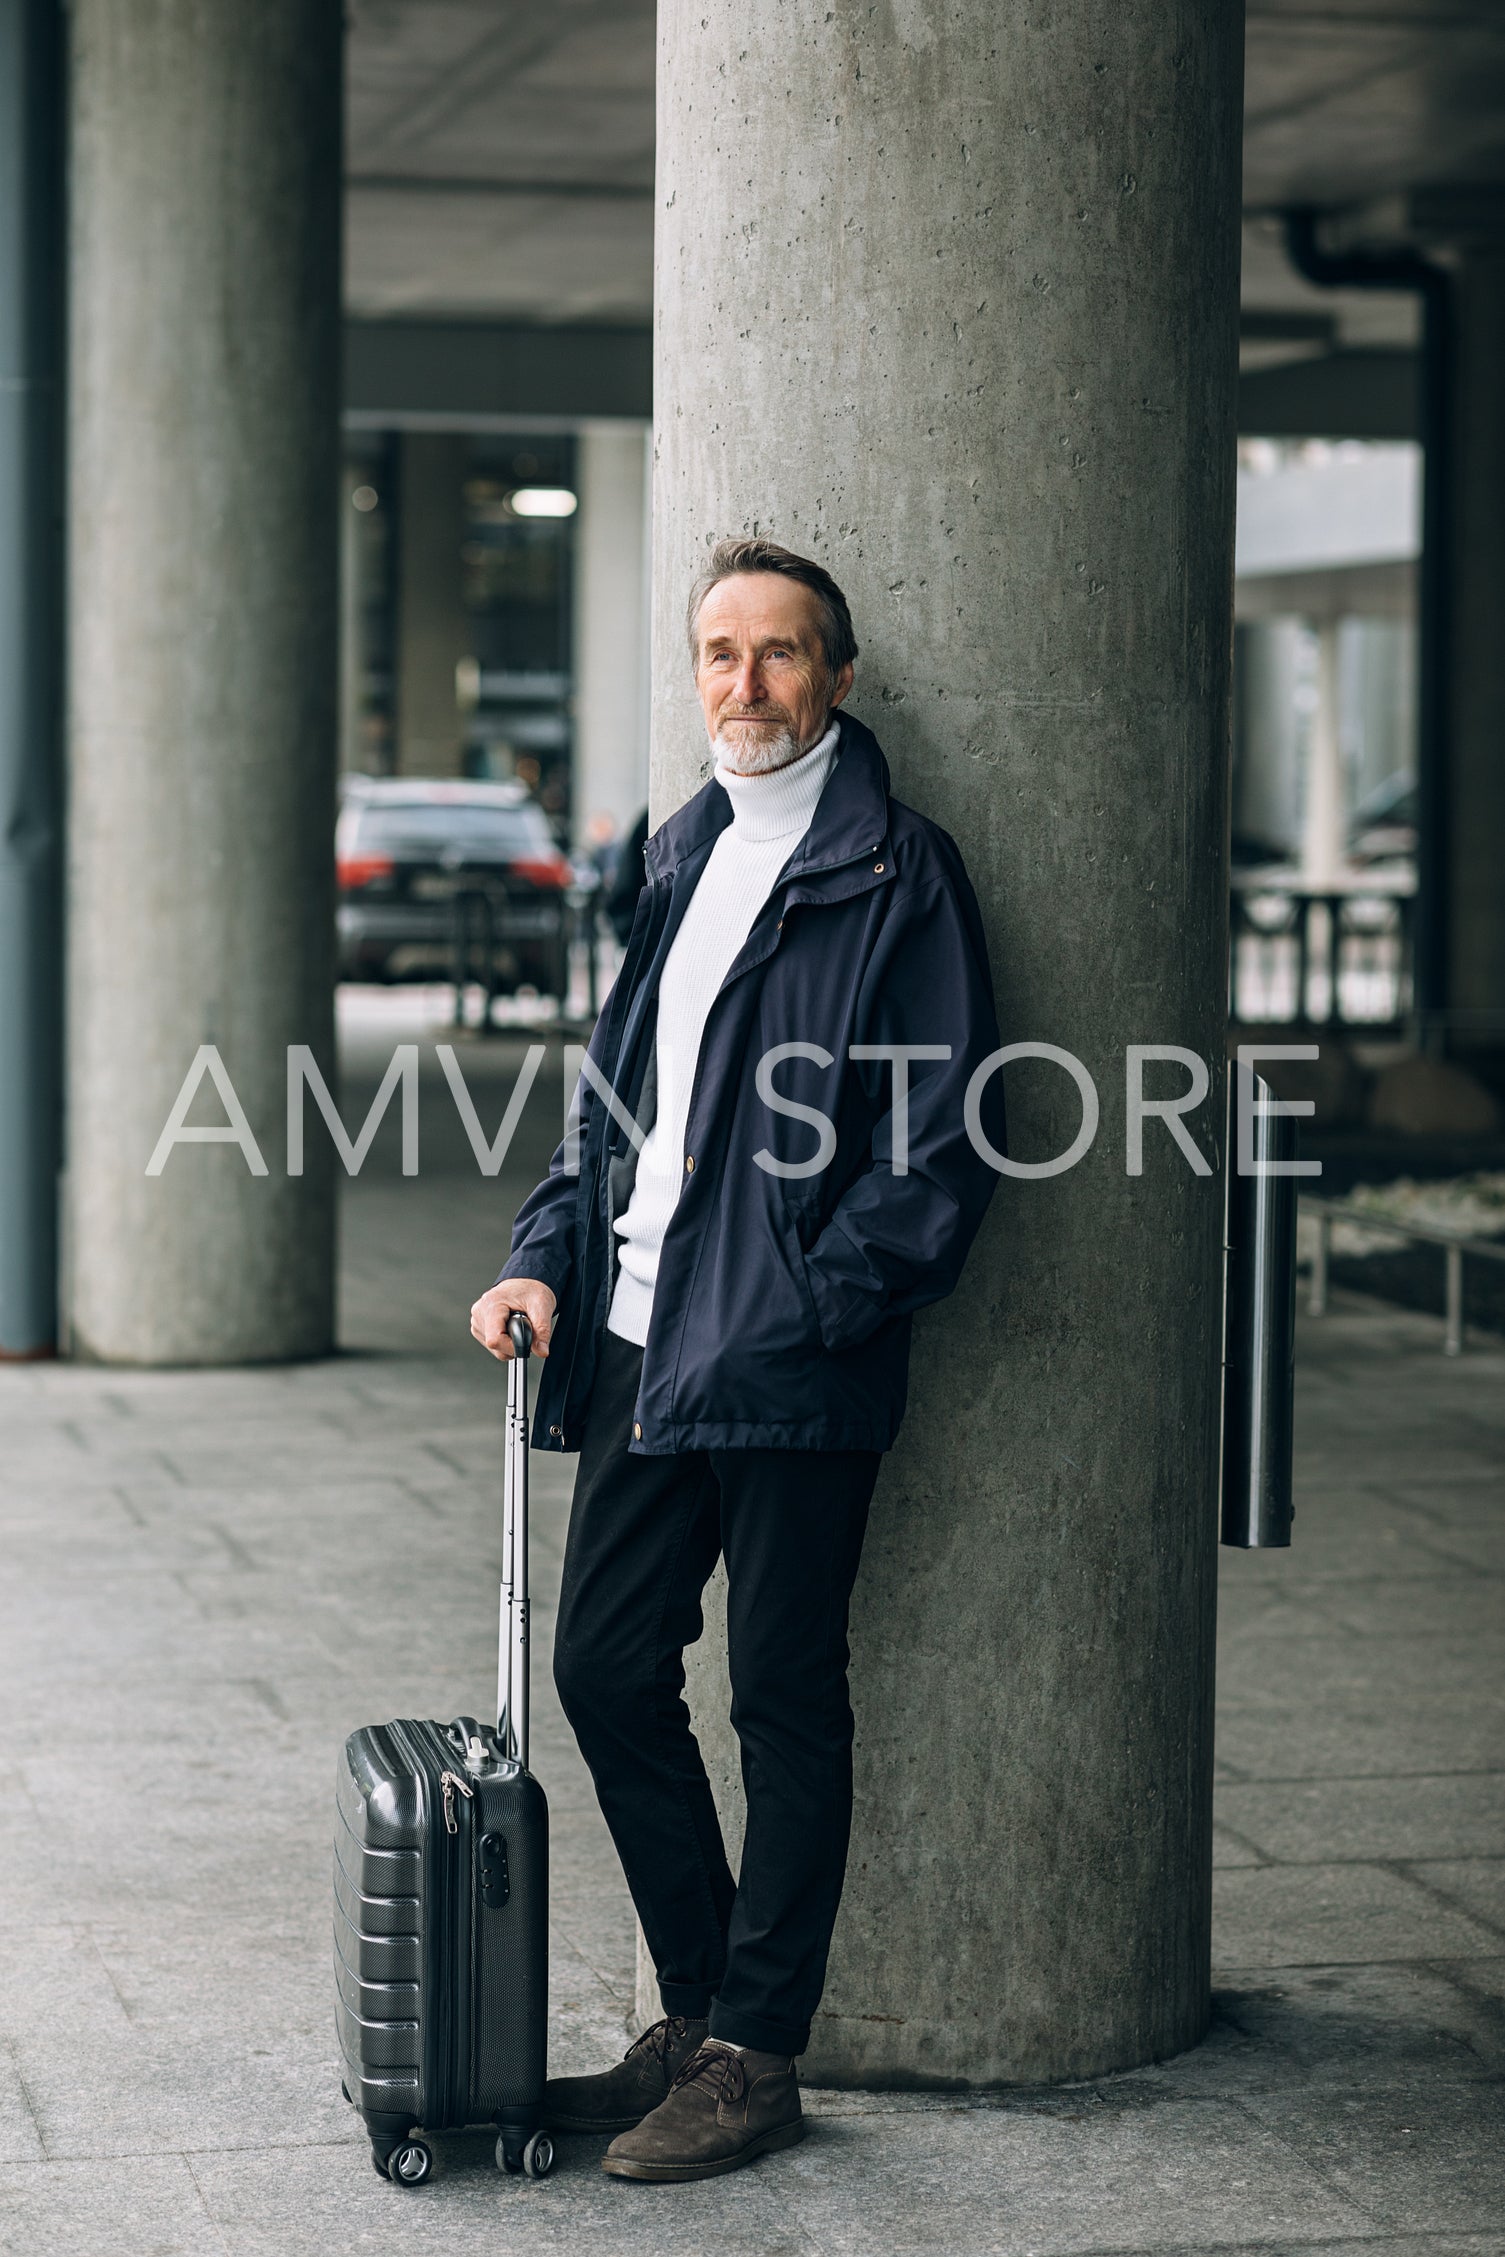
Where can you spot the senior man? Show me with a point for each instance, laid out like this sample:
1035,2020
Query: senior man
772,1170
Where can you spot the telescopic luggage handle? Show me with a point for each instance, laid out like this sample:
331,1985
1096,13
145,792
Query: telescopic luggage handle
512,1628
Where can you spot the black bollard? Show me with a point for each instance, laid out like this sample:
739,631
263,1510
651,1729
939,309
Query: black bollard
1259,1330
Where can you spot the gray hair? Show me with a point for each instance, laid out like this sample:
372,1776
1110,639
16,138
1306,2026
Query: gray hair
729,559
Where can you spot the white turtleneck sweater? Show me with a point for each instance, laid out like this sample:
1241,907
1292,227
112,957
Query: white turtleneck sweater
770,815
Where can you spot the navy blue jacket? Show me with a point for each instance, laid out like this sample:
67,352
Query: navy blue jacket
782,1305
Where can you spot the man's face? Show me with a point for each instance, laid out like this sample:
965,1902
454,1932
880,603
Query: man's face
764,686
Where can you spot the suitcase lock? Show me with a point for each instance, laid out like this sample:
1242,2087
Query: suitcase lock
495,1884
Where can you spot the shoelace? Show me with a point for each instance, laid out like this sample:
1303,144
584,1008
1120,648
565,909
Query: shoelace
717,2065
659,2037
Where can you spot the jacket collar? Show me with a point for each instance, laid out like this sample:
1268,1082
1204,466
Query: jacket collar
851,816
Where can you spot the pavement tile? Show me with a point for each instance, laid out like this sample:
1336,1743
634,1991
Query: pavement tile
177,1965
1471,1495
1389,1672
1425,2159
1341,1543
1475,1884
243,2058
53,1984
20,2138
1286,1732
266,2085
1456,1601
1301,1821
1365,2245
1326,1915
141,2206
1281,1600
1481,1984
1398,2025
588,2017
1230,1847
324,2202
1074,2174
1478,1545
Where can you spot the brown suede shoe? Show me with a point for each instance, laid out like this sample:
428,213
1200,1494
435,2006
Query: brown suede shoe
722,2109
621,2097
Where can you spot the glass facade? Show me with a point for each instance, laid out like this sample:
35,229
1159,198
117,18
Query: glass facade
509,594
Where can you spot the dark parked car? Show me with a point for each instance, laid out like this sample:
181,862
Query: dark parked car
416,860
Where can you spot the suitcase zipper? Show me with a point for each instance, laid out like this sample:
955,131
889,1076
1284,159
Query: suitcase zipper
453,2028
448,2016
459,1957
451,1784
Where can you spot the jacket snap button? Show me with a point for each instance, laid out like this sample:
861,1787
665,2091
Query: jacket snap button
555,1432
637,1432
689,1163
877,869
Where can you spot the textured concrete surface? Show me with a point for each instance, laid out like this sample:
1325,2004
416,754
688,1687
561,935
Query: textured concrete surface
947,298
209,1577
610,631
1473,969
203,448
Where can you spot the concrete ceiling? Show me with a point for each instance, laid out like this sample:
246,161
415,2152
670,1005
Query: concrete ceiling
500,159
500,153
1349,103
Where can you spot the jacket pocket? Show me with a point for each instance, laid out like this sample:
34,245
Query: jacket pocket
794,1252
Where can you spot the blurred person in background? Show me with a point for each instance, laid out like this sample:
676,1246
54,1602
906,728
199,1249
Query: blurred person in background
627,881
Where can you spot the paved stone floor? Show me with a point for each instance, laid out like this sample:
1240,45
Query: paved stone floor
208,1578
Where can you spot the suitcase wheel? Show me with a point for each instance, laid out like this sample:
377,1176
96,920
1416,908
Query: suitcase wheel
410,2163
533,2159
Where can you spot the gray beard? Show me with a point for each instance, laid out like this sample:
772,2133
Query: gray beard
759,758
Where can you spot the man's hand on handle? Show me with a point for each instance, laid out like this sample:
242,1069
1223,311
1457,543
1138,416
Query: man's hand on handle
488,1319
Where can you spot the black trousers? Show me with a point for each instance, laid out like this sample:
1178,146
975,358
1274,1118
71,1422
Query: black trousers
645,1535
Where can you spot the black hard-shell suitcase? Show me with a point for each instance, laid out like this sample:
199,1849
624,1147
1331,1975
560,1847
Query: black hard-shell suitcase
441,1899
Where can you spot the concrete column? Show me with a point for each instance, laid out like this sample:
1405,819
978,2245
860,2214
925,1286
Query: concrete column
1474,804
611,624
1324,830
433,633
30,644
948,297
1268,777
352,619
203,490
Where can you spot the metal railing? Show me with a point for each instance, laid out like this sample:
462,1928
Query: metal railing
1338,958
479,930
1455,1245
473,940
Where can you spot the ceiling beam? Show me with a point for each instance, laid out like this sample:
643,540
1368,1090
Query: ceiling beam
474,373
